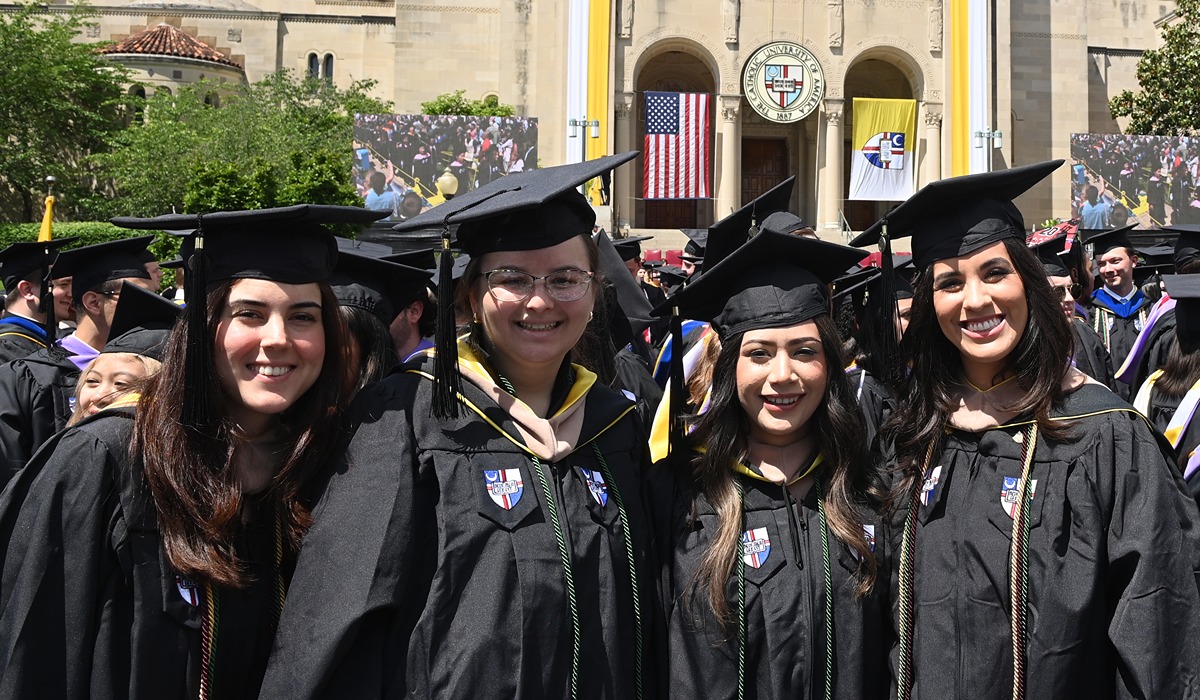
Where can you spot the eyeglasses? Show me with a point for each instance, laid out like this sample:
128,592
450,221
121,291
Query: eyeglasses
561,285
1075,288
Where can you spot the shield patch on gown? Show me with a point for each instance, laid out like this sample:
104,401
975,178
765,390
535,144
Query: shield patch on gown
189,589
869,533
756,547
505,486
1010,493
596,485
929,488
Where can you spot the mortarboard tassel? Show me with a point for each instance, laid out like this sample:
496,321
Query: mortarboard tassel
46,300
677,397
449,383
195,405
888,362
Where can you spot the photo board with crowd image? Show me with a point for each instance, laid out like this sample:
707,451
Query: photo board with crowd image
398,158
1121,179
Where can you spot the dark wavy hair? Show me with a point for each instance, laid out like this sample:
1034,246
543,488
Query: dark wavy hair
376,351
1040,360
192,478
853,484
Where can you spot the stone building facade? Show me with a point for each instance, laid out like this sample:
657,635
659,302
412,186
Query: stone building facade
1048,69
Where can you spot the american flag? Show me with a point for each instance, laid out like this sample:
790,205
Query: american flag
677,153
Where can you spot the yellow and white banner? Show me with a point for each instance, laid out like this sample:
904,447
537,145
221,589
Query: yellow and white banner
882,165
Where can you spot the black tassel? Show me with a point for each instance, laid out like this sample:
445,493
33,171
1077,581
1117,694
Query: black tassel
678,397
196,366
46,301
888,361
448,384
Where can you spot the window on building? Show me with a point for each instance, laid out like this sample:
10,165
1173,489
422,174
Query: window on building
328,72
314,66
138,115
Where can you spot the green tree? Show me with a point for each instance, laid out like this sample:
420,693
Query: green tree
456,103
276,142
1168,102
60,100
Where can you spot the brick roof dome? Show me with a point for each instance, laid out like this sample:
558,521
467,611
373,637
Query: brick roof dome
165,40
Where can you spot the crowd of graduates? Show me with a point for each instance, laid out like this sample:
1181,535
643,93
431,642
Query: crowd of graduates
535,466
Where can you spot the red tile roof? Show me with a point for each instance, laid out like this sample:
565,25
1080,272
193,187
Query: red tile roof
165,40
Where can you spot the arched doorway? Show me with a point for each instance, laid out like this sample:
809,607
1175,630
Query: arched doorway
878,78
678,68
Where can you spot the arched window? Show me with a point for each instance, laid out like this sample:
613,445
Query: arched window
138,93
314,66
212,100
328,72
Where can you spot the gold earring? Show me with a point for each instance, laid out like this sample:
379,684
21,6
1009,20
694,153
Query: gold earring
590,316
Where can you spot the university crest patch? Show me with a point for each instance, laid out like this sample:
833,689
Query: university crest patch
1010,493
756,547
596,485
505,486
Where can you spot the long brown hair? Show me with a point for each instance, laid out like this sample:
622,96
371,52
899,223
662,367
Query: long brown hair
192,479
852,483
1180,372
1040,360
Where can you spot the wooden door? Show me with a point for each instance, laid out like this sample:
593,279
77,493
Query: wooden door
670,213
764,165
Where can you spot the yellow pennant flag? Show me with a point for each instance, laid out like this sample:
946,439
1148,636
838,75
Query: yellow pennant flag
47,232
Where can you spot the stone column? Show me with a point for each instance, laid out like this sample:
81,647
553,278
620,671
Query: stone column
804,173
931,168
831,174
625,178
728,187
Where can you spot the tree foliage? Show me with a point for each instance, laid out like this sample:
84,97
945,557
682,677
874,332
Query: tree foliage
276,142
455,103
60,100
1168,103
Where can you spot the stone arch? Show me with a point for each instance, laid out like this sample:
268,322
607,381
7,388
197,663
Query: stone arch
901,54
668,39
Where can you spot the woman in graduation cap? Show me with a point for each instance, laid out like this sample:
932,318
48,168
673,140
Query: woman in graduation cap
484,535
1046,546
148,555
764,512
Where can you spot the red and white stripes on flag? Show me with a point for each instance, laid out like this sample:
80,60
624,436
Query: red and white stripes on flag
677,154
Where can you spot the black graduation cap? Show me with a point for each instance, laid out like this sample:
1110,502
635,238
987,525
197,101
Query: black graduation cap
1185,290
172,264
1187,243
632,314
630,248
1052,252
671,276
784,222
728,234
855,283
1153,260
289,245
457,269
959,215
525,211
693,251
375,285
368,248
93,265
772,281
142,322
19,260
424,259
1103,241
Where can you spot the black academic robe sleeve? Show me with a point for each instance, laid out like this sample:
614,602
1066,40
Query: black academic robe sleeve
34,405
1091,357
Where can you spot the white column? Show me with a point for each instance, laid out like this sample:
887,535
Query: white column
728,187
931,166
831,174
624,178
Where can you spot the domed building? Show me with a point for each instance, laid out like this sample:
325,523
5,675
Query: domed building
165,57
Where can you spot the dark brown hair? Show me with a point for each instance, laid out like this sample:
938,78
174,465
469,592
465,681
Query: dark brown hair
838,426
1180,372
191,476
1040,359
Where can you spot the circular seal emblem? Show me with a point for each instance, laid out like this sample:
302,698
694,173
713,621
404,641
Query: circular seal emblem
783,82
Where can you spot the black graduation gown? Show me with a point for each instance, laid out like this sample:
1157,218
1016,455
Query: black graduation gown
1121,332
89,606
36,397
1158,347
416,581
1114,545
17,341
1091,357
785,652
874,400
634,376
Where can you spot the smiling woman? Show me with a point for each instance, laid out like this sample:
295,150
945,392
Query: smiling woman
1039,522
161,542
491,495
765,514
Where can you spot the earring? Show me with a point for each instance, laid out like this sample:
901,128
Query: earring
590,316
475,319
